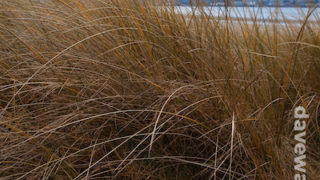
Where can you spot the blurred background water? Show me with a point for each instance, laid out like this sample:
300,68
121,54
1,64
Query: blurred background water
258,13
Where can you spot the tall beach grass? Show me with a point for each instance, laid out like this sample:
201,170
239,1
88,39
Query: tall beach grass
128,89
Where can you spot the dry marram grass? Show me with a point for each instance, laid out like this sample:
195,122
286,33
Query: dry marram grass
126,89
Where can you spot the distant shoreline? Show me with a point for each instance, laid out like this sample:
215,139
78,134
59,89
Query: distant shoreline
262,6
255,3
263,14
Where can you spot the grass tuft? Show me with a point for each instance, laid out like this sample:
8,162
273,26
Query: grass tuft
135,90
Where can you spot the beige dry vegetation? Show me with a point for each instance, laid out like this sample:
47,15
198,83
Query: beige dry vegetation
117,88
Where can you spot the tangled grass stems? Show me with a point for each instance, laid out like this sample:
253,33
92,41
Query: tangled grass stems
134,90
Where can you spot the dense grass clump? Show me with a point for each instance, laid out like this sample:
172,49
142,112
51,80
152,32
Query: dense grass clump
131,90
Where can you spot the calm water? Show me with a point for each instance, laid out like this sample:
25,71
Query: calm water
266,13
